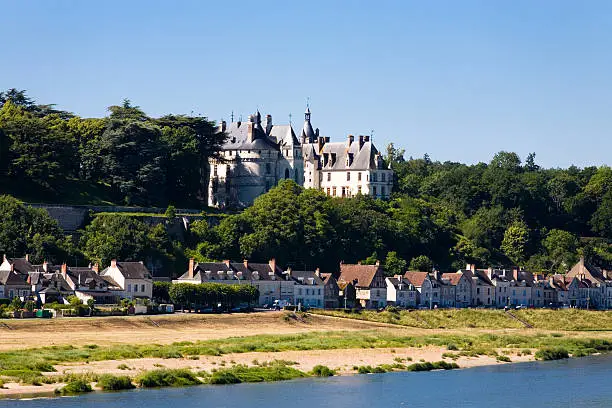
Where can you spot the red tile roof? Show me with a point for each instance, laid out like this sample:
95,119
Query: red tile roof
416,278
364,274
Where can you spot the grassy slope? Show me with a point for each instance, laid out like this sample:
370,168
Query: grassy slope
566,319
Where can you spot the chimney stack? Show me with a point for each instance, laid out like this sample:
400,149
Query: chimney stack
64,270
272,264
377,262
113,263
320,143
360,141
223,126
226,262
318,272
350,140
27,257
366,138
96,268
191,267
268,124
246,264
45,266
250,132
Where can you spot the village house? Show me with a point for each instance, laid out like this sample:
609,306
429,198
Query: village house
427,286
483,290
463,288
401,293
332,290
595,285
308,289
369,283
270,280
347,294
13,278
502,287
559,284
128,280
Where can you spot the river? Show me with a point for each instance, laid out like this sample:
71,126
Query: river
576,383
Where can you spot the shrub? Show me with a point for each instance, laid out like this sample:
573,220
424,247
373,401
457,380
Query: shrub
110,382
322,371
123,366
452,346
364,369
75,387
166,378
224,377
557,353
504,359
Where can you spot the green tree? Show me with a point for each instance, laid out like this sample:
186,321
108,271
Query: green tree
514,244
394,265
561,250
421,263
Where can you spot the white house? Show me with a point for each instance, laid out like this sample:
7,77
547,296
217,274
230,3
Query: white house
308,289
428,287
129,280
401,293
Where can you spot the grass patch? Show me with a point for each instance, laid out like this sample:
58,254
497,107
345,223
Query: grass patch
503,359
167,378
274,371
427,366
109,382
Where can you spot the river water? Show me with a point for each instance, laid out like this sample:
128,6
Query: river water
576,383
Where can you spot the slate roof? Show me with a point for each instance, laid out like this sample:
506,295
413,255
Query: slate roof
364,274
306,276
363,159
590,272
453,277
326,277
396,282
132,270
238,139
283,135
12,278
21,265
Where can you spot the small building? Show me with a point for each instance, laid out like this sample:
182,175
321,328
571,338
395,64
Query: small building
401,293
332,290
308,288
596,285
463,288
128,280
427,286
369,283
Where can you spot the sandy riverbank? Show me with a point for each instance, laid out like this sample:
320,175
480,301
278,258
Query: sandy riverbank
20,334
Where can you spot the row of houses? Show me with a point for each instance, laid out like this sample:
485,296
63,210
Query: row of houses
584,286
357,285
49,283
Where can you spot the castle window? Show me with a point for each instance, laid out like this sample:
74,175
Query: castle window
374,177
359,176
215,170
382,177
334,191
286,173
374,191
358,189
268,168
328,176
328,193
343,192
348,176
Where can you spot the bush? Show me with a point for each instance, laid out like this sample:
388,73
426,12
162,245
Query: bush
110,382
452,346
503,359
322,371
224,377
75,387
166,378
547,354
427,366
364,369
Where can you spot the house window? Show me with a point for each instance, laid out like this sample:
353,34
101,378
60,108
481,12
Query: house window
268,168
286,173
129,289
348,176
477,291
328,176
334,191
359,176
142,288
328,189
358,189
215,170
373,176
374,190
382,177
343,192
382,191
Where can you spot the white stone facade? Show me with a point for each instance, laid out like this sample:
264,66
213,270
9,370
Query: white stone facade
256,156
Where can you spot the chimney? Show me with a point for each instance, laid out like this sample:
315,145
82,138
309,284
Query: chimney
377,262
317,133
223,126
318,272
268,124
366,138
246,264
191,267
250,132
471,267
320,143
272,264
226,262
360,141
350,140
326,139
490,272
27,257
515,273
288,273
436,275
45,266
113,263
64,270
96,268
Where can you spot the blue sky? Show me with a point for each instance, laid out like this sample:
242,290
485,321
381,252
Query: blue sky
459,80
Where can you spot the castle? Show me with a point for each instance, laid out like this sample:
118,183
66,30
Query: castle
256,156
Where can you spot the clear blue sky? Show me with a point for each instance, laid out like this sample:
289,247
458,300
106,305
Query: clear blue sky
459,80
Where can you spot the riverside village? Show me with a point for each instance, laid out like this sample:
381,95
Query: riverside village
254,158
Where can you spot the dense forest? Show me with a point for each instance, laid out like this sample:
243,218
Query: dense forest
502,213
